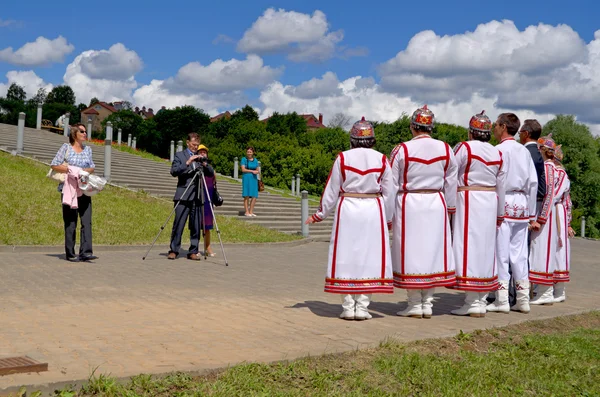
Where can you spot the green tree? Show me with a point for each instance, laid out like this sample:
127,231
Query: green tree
129,122
247,113
175,124
39,97
93,101
61,94
16,93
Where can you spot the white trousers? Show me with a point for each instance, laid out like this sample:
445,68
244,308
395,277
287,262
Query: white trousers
511,249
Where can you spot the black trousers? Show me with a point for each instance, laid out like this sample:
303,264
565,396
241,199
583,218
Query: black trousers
184,211
84,212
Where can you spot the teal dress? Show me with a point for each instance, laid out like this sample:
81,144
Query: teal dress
249,180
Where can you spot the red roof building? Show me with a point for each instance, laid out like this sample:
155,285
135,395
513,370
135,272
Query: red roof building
220,116
312,123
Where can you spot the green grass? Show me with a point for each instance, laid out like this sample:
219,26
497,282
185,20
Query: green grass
558,357
32,214
124,148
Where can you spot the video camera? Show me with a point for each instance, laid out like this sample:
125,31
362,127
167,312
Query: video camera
203,159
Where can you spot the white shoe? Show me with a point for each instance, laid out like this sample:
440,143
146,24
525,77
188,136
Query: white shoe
362,303
500,305
414,306
348,305
522,305
471,307
544,296
252,214
427,302
559,293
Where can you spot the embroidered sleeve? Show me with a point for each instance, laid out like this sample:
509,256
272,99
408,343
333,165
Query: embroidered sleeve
389,190
60,155
331,193
500,188
549,197
569,206
451,182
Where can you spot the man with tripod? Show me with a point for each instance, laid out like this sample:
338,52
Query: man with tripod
186,198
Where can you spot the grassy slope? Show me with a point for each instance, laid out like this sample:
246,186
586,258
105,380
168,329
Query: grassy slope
552,357
31,213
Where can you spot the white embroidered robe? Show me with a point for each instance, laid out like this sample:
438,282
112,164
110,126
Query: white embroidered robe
563,219
424,169
359,253
477,213
542,255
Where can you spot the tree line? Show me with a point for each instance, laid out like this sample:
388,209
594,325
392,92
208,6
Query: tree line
285,145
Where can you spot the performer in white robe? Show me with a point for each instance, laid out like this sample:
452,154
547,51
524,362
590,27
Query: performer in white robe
361,190
425,172
565,231
519,211
479,212
544,238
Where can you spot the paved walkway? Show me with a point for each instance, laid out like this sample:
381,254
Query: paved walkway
126,316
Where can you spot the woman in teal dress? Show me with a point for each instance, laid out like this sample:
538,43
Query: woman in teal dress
250,172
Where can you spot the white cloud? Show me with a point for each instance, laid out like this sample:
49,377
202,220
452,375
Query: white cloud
116,63
304,37
223,76
328,85
546,69
155,95
7,22
363,97
30,82
40,52
108,75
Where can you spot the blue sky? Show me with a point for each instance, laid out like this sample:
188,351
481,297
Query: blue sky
166,36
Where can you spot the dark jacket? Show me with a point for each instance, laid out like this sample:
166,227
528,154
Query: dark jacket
185,175
538,161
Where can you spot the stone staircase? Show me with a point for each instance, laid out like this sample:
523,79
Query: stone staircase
273,211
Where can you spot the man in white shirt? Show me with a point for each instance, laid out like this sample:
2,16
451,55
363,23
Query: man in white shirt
519,212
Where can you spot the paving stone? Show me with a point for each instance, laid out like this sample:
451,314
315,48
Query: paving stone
126,316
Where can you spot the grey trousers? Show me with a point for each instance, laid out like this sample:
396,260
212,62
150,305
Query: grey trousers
70,215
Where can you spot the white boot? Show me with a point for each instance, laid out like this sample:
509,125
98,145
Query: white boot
414,306
483,303
471,306
500,305
348,305
427,301
362,302
544,295
559,292
522,305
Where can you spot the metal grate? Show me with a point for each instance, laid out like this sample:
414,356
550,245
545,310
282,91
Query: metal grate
18,365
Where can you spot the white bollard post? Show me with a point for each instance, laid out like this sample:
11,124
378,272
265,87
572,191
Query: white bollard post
236,166
293,186
583,226
129,140
119,135
297,184
304,211
20,132
107,150
172,156
38,121
66,125
134,143
179,145
89,127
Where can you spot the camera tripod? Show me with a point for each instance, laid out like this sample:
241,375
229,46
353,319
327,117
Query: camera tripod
201,194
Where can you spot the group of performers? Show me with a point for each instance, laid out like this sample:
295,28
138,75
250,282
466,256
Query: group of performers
465,218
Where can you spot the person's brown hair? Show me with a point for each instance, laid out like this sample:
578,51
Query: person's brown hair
511,121
193,136
251,148
533,128
73,130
